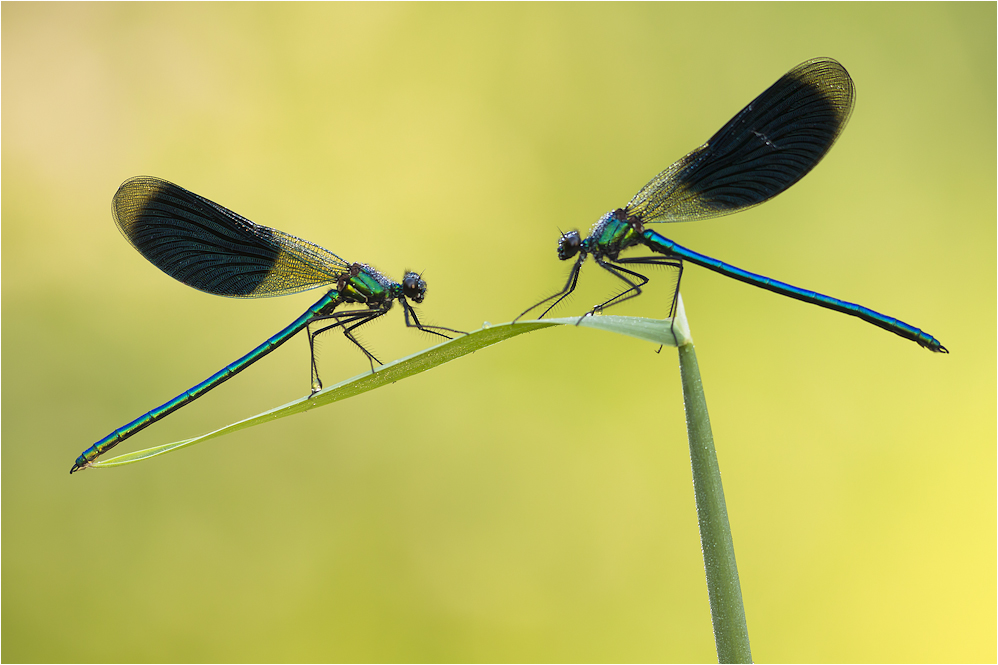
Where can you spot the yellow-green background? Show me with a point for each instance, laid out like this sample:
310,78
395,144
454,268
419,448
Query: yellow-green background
532,501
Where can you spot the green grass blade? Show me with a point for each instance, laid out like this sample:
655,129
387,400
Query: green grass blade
723,588
653,330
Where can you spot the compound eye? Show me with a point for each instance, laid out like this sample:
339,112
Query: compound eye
413,287
568,245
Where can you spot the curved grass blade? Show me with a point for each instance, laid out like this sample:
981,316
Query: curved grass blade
724,591
652,330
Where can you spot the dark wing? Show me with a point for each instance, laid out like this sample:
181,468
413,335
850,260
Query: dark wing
771,144
213,249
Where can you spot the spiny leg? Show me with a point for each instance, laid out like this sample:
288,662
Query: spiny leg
660,261
342,320
348,333
616,271
573,279
408,310
663,261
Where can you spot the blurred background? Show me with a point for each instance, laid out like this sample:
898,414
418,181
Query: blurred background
533,501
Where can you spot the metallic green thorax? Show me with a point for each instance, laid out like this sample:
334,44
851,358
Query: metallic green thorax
365,285
362,287
612,233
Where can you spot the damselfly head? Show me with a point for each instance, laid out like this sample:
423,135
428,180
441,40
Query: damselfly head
413,287
569,245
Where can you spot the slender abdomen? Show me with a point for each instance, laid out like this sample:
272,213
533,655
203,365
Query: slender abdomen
662,245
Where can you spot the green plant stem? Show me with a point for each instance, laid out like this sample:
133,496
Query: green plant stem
726,610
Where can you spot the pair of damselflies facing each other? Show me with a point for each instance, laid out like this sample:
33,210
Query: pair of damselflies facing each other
215,250
767,147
